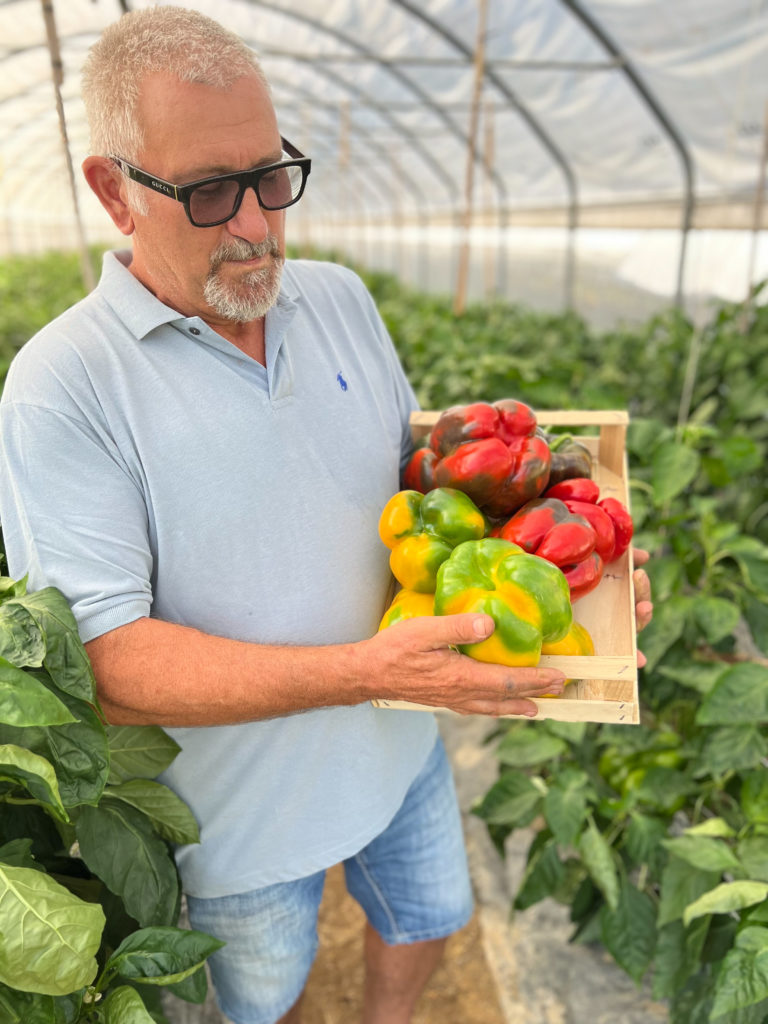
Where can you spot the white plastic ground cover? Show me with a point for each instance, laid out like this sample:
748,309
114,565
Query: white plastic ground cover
583,103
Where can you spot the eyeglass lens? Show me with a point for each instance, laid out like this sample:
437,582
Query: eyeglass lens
217,200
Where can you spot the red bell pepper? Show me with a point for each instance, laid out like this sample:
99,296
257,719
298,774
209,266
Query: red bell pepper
577,494
490,451
546,527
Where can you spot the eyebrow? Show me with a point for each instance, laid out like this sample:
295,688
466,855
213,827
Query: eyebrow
198,174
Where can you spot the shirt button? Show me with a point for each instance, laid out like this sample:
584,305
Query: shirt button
194,330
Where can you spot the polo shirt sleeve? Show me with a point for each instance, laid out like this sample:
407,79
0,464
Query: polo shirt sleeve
72,514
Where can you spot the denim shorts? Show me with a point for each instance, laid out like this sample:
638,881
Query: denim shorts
411,880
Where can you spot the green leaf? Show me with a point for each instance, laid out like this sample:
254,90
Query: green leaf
78,751
523,748
168,813
754,797
599,861
743,976
753,853
752,559
715,616
665,628
35,774
756,615
673,467
33,1008
25,701
677,956
643,836
139,751
513,800
726,897
718,828
681,884
193,989
740,697
629,931
565,805
12,588
18,853
119,845
22,642
65,657
543,874
124,1005
50,938
162,955
733,748
703,852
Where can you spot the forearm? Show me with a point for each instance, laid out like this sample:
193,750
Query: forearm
151,672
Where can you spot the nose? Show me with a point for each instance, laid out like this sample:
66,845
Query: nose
250,221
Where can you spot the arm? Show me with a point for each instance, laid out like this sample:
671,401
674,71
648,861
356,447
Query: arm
154,672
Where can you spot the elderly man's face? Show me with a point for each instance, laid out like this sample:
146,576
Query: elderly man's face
230,272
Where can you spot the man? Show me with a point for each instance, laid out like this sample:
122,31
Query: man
197,455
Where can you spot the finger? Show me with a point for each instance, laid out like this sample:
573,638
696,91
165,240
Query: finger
642,661
640,556
643,614
451,630
532,682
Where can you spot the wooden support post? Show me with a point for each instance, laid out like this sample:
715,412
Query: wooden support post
460,298
57,74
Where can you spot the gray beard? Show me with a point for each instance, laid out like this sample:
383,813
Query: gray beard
253,295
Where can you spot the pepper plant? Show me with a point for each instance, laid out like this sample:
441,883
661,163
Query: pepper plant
89,894
656,836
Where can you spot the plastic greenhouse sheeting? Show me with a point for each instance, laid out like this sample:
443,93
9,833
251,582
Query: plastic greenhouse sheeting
648,113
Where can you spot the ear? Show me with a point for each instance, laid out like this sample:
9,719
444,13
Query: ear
108,183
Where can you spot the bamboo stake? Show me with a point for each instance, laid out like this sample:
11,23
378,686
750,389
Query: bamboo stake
460,299
491,254
757,212
57,74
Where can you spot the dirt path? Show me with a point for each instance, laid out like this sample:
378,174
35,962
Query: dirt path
461,991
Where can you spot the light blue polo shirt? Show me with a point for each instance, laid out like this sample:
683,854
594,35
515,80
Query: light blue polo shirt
149,467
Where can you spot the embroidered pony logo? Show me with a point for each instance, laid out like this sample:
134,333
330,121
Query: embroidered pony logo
342,383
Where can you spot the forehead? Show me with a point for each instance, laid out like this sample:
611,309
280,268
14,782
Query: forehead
191,129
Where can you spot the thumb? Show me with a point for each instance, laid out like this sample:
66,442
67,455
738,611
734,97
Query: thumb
467,628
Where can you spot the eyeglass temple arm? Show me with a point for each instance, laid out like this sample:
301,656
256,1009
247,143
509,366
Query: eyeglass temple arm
290,149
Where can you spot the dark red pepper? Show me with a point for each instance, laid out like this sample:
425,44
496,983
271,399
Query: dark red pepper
574,489
546,527
622,524
585,576
601,523
489,451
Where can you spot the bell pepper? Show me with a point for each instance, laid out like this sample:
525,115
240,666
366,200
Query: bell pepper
421,530
547,528
570,458
492,452
576,641
526,596
609,517
408,604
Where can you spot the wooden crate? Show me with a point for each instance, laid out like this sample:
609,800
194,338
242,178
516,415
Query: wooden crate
605,687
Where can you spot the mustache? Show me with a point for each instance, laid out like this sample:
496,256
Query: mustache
240,249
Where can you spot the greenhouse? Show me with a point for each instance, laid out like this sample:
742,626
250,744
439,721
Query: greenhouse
513,367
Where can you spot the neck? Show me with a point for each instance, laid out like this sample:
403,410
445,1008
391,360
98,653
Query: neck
249,338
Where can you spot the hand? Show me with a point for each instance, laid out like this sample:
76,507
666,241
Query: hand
643,604
417,660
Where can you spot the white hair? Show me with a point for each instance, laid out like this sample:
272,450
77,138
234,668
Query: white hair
184,43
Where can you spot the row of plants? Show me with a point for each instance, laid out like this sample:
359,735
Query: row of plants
655,836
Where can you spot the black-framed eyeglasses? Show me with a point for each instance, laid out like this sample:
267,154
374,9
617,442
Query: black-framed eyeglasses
215,200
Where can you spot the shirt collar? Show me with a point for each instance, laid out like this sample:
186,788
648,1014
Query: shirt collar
140,310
